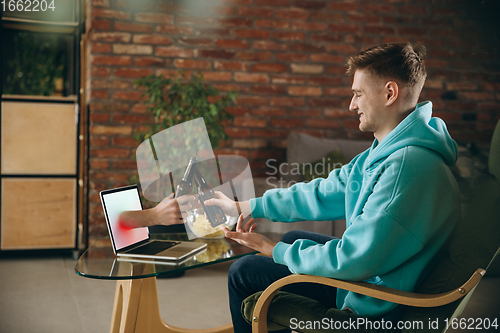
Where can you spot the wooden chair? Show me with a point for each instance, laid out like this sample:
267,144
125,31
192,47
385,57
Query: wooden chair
440,298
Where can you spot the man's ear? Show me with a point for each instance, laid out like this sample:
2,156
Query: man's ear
391,92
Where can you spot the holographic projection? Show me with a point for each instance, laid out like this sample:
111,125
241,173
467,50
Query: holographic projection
180,160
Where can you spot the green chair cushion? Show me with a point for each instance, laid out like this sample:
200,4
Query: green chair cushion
306,315
494,158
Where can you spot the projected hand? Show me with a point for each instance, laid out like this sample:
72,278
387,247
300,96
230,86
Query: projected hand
167,212
188,202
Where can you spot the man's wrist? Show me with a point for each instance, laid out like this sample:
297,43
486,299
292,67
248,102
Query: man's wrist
244,208
269,248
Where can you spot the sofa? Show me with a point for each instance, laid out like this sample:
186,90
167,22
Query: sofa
305,154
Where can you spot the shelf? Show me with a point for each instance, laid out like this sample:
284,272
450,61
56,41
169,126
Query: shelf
42,146
30,21
30,98
39,26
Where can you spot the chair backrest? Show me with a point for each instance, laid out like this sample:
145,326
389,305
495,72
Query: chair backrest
494,158
474,244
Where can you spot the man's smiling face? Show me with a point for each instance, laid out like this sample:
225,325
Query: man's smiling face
369,102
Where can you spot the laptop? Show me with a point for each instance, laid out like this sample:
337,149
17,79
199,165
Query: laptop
137,243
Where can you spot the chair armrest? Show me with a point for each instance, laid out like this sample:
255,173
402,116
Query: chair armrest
259,323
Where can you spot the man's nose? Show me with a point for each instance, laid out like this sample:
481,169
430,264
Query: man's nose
353,106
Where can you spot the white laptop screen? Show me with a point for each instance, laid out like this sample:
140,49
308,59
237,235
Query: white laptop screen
114,203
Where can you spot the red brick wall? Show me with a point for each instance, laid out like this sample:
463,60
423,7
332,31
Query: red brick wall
286,59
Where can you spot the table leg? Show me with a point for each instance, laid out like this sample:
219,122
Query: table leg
136,309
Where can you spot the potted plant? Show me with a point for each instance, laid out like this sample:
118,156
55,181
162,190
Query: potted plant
171,101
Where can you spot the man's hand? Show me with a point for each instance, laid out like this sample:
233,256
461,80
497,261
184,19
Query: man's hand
230,207
245,236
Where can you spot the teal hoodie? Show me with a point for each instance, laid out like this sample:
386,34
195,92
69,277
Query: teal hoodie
400,202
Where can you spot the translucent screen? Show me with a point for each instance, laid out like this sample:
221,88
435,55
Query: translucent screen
161,163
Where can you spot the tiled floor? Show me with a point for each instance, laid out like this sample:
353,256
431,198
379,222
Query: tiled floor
44,294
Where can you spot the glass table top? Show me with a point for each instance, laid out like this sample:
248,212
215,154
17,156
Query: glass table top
99,261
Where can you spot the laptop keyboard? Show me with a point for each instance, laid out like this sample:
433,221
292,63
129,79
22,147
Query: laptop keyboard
153,247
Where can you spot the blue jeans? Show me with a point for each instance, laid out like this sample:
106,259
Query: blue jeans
251,274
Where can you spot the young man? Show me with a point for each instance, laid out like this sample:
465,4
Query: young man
399,198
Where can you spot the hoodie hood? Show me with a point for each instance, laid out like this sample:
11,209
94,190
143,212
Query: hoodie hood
419,128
